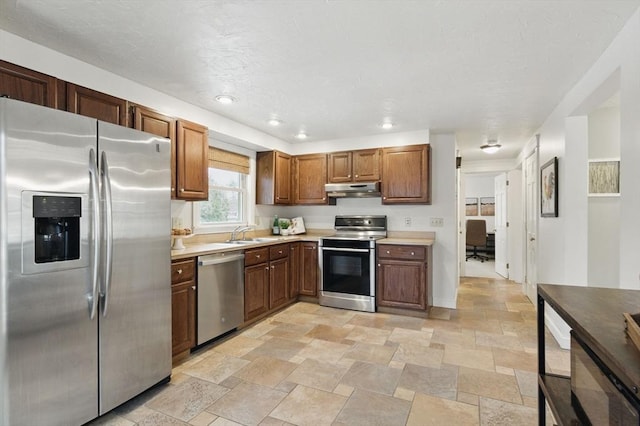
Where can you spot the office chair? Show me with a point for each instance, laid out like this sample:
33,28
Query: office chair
476,237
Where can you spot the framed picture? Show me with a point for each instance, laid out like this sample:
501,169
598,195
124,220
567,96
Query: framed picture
604,177
549,188
471,207
487,206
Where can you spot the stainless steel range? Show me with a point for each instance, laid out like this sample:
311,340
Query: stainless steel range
347,262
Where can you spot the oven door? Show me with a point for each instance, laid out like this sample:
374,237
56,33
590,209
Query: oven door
347,270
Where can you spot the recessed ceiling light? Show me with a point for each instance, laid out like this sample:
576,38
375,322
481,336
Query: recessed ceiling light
225,99
492,146
387,125
301,135
274,122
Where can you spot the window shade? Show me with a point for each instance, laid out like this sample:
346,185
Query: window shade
225,160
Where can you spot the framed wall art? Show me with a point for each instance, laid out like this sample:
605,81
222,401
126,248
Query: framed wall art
549,188
471,206
604,177
487,206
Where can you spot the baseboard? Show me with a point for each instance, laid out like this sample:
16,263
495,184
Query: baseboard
563,339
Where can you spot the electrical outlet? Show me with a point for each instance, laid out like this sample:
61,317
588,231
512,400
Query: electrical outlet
437,221
407,221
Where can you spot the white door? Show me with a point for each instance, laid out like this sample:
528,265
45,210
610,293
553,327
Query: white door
500,192
531,221
462,244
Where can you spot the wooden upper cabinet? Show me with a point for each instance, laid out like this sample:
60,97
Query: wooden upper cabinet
27,85
354,166
406,175
366,165
310,176
153,122
101,106
273,178
192,170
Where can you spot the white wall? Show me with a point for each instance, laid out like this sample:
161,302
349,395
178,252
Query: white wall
604,212
479,186
562,242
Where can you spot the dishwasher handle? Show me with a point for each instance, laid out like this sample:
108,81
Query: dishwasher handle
218,259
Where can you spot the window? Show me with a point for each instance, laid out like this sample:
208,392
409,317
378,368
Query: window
227,204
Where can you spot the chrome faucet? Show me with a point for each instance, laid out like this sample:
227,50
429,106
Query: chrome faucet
240,228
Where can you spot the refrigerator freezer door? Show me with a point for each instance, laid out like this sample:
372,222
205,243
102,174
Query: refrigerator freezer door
135,328
48,371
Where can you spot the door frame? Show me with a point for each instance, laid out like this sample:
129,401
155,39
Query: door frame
530,220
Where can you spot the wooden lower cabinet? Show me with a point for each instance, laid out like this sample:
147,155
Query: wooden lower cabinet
256,290
309,269
295,252
266,279
183,305
278,282
403,276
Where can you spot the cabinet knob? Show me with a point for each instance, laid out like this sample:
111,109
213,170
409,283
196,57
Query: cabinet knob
257,256
273,267
324,198
350,176
181,189
179,271
378,264
193,287
384,198
314,247
357,175
266,268
279,251
387,251
412,253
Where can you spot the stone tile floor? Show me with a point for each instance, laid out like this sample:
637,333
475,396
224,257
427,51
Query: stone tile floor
313,365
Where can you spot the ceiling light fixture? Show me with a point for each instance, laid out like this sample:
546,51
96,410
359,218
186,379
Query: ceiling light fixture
387,125
301,135
491,147
225,99
274,122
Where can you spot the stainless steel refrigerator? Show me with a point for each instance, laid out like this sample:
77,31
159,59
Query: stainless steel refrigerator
85,297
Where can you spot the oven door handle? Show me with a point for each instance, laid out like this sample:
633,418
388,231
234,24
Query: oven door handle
345,249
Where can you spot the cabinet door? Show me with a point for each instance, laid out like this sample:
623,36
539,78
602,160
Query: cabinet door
101,106
401,284
366,165
27,85
339,166
256,290
278,282
310,178
295,251
192,171
153,122
273,178
406,175
309,269
183,318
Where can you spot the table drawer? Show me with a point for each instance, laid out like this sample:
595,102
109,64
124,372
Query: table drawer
388,251
255,256
279,251
183,270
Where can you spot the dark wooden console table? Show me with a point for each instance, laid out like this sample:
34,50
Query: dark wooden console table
595,315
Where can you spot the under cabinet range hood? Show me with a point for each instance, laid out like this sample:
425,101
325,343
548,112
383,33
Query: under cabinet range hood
352,190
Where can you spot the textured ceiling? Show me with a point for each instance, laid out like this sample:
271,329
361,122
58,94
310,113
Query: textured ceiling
337,69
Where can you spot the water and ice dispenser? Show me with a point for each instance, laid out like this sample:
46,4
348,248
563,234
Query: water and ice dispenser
57,228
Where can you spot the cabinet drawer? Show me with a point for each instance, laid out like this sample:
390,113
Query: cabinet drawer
182,270
387,251
279,251
253,257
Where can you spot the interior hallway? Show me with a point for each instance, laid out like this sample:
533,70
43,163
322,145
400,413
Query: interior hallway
313,365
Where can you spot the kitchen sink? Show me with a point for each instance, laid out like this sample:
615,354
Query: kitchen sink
253,240
239,242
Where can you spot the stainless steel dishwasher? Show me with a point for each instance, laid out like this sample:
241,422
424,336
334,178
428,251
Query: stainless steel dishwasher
220,294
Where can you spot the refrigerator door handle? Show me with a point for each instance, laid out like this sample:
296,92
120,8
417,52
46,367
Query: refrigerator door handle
108,230
95,203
